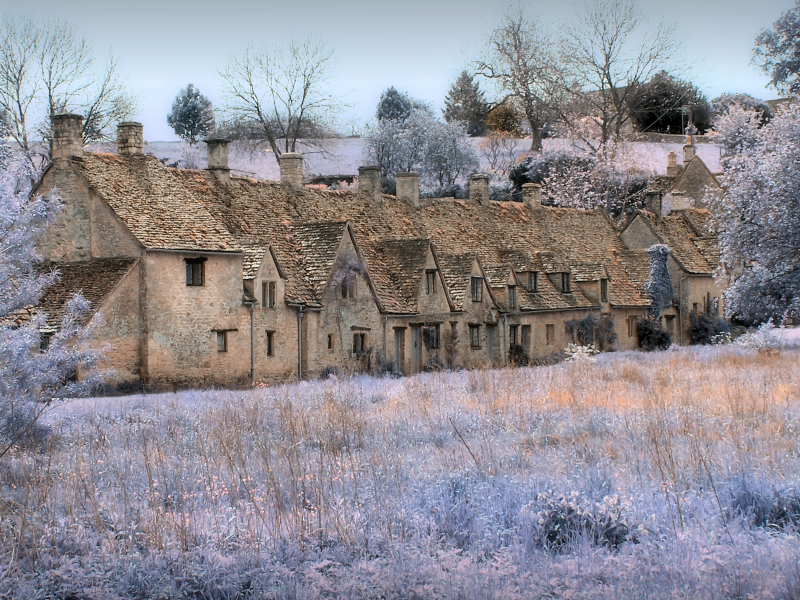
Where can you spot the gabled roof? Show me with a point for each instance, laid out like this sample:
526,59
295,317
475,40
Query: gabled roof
404,260
680,235
95,279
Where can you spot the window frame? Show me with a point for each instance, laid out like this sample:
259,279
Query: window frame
195,266
359,343
566,283
222,341
512,296
632,320
476,288
431,336
604,290
533,281
430,281
330,342
550,334
513,335
348,287
269,294
270,342
475,336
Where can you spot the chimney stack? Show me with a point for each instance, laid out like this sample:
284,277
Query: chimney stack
532,195
292,169
369,180
67,139
654,202
672,164
688,150
408,188
217,152
130,138
681,202
479,189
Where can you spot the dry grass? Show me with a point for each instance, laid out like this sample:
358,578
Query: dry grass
441,485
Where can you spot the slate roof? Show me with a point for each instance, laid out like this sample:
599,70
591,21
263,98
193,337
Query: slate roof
169,208
95,279
677,231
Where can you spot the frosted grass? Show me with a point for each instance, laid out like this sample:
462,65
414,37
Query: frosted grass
656,475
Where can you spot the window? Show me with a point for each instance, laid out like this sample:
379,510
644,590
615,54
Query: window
477,289
349,287
669,323
550,332
270,343
566,285
222,341
359,343
430,335
696,308
632,326
430,282
512,296
330,341
604,290
533,281
44,342
195,271
475,336
526,337
268,294
512,334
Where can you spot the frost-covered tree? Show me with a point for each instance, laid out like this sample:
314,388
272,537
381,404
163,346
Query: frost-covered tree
722,104
759,215
465,102
659,284
440,152
777,52
39,358
394,106
192,115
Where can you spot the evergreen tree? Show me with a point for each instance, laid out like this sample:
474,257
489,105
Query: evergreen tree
394,106
465,102
192,116
658,104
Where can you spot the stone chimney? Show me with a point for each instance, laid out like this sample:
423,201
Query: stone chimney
654,202
688,150
672,164
217,153
532,195
292,169
67,139
130,138
369,180
408,188
479,189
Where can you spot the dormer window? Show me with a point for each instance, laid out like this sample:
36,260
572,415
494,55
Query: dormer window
533,281
477,289
349,287
195,271
566,284
268,294
430,282
512,296
604,290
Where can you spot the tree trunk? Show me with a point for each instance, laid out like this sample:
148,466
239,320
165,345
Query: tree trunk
536,136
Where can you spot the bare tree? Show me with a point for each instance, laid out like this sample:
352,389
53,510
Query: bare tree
519,60
47,68
276,96
608,51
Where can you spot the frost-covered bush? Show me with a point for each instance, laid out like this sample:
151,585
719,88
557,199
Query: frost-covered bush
576,352
764,505
764,340
563,520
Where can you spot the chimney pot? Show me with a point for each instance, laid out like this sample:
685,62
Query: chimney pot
67,139
130,138
479,189
532,195
292,169
217,153
369,181
408,188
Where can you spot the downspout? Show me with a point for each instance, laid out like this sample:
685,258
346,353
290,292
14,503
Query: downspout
680,311
385,342
300,343
252,344
506,347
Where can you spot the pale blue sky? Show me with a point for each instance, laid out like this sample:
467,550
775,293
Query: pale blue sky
418,46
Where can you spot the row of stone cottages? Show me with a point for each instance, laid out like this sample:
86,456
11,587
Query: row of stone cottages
204,278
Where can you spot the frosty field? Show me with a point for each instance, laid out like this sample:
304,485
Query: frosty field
663,475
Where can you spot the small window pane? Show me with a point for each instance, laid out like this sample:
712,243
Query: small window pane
222,341
512,296
270,343
604,290
475,336
550,333
271,295
477,289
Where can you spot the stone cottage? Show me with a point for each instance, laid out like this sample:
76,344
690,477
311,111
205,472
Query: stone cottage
206,278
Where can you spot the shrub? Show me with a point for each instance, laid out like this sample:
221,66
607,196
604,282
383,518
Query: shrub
575,352
704,327
764,506
762,340
517,356
561,521
652,335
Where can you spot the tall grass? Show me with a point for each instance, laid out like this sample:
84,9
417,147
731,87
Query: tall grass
670,474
